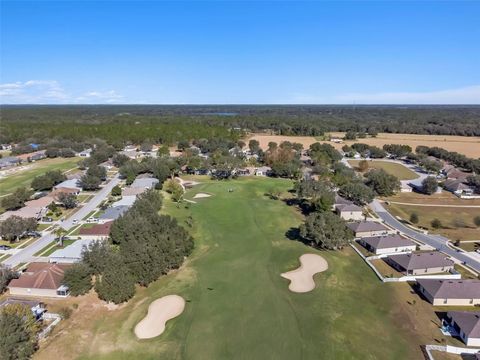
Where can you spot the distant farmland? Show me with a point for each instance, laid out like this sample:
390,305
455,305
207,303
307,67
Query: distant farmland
469,146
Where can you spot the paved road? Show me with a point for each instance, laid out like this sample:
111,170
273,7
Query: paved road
436,241
25,254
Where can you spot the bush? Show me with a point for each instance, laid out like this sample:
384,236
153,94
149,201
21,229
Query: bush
476,220
436,223
65,312
414,218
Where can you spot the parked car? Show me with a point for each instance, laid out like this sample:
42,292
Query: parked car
34,233
5,247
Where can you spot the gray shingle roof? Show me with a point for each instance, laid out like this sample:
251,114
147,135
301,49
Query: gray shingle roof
349,207
469,322
452,289
363,226
426,260
387,242
113,213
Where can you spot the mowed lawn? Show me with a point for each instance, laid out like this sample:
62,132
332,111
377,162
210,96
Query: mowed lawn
238,306
9,183
400,171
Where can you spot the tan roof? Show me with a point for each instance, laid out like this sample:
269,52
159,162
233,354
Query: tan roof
129,191
40,202
63,190
40,276
98,229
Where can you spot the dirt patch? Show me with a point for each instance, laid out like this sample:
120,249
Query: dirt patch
301,279
159,312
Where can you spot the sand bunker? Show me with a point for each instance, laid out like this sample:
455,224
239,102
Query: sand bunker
159,312
301,279
201,195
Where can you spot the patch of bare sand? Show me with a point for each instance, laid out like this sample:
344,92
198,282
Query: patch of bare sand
201,195
159,312
301,279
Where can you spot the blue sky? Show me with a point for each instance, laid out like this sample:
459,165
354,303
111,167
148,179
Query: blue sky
240,52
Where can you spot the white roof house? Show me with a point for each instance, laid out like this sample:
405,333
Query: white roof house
72,184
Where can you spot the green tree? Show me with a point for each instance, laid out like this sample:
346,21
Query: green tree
163,151
90,182
17,199
78,278
357,192
476,220
254,146
69,201
6,274
18,332
174,188
115,284
382,183
429,185
326,230
414,218
14,227
116,191
97,171
363,165
436,223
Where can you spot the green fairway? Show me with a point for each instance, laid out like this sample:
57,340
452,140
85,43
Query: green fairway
238,306
9,183
400,171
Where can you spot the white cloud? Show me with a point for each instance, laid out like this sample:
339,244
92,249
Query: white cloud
465,95
51,92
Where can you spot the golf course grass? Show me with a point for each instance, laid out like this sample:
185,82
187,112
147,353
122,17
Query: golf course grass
237,304
400,171
9,183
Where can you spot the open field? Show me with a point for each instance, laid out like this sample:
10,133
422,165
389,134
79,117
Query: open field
9,183
237,304
442,199
400,171
457,221
470,146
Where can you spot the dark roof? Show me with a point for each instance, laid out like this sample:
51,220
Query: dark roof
451,289
40,276
367,226
113,213
388,241
342,201
349,207
98,229
424,260
454,185
468,321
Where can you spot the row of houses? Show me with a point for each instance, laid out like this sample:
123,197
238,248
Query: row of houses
10,161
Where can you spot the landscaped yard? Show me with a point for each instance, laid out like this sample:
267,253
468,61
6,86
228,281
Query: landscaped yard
457,222
9,183
400,171
238,306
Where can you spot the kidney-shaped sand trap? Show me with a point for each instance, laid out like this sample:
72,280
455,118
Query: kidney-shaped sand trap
201,195
159,312
301,279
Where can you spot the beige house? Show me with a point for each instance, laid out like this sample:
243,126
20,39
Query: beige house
349,212
467,325
387,244
369,228
40,279
433,262
450,292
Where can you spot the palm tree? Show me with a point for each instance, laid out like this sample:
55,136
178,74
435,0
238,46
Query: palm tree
59,233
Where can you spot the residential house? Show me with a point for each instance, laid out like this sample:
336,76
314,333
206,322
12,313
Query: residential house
96,232
129,191
460,188
341,201
9,161
453,292
144,182
70,184
63,190
467,325
433,262
455,174
85,153
349,212
40,279
263,171
388,244
113,213
71,253
369,229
